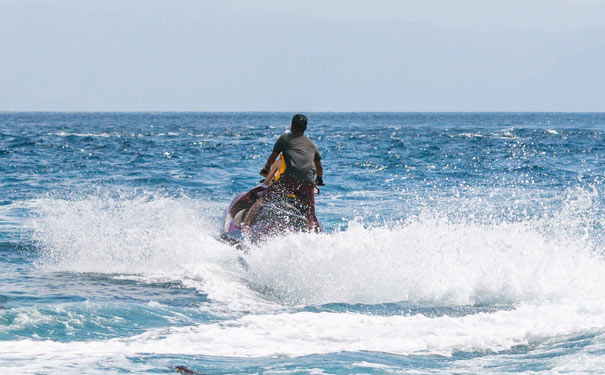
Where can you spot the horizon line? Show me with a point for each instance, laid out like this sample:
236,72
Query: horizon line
279,111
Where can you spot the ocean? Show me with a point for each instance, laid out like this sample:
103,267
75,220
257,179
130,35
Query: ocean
454,243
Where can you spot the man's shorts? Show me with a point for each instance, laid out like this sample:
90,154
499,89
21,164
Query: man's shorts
303,190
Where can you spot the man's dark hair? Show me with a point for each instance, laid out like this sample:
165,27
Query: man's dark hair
299,123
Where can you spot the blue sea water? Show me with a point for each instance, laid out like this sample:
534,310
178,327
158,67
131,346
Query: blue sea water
454,243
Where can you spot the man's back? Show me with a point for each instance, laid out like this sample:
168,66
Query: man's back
300,154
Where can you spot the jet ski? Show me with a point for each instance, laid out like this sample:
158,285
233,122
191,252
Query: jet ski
272,218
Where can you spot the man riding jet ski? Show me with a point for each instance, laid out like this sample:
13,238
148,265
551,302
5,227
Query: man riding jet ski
285,201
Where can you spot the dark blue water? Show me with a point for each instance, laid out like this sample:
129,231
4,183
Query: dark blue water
455,243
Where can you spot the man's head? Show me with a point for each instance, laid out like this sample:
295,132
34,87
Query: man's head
299,123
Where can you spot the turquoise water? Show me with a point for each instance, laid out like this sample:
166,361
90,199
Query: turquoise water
454,243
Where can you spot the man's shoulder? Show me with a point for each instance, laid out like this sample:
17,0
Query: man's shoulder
289,138
310,141
281,139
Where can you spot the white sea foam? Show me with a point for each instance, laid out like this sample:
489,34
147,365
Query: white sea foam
548,271
154,237
101,135
470,135
118,235
365,364
577,353
425,259
305,333
504,134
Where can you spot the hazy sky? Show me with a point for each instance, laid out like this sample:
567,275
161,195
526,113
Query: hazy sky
313,55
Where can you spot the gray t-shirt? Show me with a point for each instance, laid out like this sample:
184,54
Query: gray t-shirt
300,154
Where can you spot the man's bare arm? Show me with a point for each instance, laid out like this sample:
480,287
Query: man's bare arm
267,166
320,172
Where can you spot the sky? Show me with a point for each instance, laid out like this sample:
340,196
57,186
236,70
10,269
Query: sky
313,55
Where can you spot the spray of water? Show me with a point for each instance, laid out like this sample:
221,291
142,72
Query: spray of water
428,258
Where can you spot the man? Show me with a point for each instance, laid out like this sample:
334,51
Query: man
303,163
